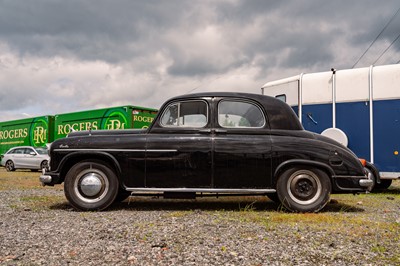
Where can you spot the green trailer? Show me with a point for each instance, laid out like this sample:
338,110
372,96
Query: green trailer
39,131
36,132
122,117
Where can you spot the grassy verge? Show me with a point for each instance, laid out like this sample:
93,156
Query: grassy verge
20,179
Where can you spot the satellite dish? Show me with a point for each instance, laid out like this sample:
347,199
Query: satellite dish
336,134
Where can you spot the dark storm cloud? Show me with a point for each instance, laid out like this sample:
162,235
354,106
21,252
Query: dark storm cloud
116,31
105,30
126,51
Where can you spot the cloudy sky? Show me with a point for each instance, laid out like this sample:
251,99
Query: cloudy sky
61,56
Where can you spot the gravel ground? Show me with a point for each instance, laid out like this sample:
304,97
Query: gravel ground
194,232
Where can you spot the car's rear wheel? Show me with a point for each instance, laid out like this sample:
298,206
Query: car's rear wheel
385,184
90,186
304,189
10,166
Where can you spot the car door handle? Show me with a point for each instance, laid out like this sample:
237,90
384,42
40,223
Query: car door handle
205,131
215,131
221,131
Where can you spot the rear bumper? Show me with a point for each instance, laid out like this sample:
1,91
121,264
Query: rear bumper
354,183
366,183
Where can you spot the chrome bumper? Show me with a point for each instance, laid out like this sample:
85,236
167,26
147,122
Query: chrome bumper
45,179
367,183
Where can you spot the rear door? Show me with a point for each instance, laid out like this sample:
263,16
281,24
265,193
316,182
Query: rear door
242,146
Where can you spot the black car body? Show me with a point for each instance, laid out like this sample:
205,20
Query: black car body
214,143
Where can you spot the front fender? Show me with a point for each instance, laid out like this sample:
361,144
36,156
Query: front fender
71,158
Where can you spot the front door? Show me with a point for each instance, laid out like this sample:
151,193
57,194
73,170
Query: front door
179,149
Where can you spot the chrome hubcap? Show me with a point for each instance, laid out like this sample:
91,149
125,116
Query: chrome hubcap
91,185
304,187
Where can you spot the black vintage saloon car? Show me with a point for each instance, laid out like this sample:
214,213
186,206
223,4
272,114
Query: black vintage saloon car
207,144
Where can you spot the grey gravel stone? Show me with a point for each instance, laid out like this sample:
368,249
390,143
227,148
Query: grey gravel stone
163,232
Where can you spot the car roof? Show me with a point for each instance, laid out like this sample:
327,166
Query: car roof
225,94
20,147
281,115
24,147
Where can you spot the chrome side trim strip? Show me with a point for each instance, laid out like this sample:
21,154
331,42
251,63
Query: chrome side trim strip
120,150
203,190
347,176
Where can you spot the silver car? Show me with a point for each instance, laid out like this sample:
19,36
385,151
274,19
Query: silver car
25,157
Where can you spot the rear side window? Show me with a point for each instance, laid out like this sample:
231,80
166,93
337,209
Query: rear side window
281,97
185,114
18,151
239,114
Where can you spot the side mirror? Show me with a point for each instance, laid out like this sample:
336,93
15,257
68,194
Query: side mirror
32,153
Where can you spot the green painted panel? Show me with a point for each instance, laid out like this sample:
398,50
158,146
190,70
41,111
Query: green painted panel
102,119
142,118
109,118
45,129
26,132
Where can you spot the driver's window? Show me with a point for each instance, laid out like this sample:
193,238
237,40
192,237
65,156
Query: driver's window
185,114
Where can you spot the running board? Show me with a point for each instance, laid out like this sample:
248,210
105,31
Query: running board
205,190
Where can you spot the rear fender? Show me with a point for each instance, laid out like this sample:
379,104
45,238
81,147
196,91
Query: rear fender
294,162
374,171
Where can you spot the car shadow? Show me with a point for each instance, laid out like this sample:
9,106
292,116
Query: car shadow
209,205
334,206
61,206
157,204
389,191
195,204
255,205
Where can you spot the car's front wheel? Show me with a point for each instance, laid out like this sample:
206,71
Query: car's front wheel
44,165
10,166
304,189
90,186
